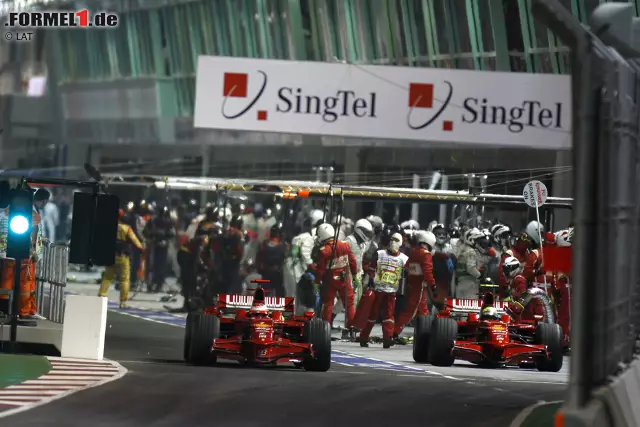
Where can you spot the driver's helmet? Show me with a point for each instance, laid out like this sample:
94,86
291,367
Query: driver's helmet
489,313
259,309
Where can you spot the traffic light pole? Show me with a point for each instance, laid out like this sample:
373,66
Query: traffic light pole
15,305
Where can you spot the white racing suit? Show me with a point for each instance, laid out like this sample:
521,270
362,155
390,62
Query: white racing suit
467,272
296,265
358,250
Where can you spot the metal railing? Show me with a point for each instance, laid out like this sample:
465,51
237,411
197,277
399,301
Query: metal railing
51,280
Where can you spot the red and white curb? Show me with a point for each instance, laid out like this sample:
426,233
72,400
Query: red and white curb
67,376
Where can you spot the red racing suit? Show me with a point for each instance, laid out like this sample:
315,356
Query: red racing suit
336,278
527,257
420,276
518,285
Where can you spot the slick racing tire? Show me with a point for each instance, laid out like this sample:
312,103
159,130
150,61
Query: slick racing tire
550,334
205,328
444,332
187,335
421,337
317,332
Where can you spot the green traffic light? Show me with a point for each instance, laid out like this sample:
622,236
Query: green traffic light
19,224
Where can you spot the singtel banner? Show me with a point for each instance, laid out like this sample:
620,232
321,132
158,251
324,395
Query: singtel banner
423,104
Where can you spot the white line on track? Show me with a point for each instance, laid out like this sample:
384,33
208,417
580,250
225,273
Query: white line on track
26,403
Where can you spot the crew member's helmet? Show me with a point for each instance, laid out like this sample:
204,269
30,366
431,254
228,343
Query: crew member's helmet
376,223
441,234
325,233
511,267
535,230
564,237
501,235
489,313
472,235
426,238
316,216
410,225
363,230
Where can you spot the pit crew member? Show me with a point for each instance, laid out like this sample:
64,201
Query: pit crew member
390,264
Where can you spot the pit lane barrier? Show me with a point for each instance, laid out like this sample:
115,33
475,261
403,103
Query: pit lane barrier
51,280
604,386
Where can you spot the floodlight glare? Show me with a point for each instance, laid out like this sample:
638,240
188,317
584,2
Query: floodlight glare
19,224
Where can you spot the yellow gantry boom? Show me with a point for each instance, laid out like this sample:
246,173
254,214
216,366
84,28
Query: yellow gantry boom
312,189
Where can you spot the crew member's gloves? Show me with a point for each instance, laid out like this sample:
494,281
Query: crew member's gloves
295,251
357,282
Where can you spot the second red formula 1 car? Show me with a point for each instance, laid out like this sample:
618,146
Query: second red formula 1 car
490,338
257,330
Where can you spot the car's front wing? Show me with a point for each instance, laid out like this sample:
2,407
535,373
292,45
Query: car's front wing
507,354
260,352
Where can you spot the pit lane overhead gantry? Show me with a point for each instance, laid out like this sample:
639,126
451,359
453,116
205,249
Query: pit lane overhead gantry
291,189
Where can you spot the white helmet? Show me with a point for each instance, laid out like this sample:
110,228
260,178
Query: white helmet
564,237
432,224
376,221
511,267
441,234
316,215
472,235
363,230
501,234
426,237
325,232
534,230
410,225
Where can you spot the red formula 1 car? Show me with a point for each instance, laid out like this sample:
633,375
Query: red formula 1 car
257,330
490,342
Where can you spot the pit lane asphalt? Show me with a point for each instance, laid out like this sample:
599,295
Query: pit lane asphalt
160,390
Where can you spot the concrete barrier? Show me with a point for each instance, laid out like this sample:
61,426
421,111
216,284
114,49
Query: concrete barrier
614,405
84,328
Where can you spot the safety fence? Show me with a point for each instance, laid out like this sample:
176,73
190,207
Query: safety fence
51,280
606,144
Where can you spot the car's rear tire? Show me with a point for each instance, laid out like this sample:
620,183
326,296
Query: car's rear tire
550,334
204,329
187,336
444,332
317,332
421,337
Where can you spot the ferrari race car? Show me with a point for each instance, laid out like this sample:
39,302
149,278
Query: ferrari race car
496,342
257,330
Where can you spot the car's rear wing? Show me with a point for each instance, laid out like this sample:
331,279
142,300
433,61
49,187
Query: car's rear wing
470,305
244,302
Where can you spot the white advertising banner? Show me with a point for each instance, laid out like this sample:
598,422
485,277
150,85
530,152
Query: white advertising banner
420,104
